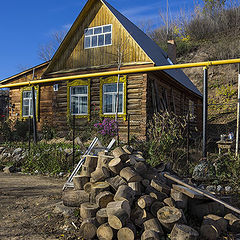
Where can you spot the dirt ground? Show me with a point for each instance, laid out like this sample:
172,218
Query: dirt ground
26,207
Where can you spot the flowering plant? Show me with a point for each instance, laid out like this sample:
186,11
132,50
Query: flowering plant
108,127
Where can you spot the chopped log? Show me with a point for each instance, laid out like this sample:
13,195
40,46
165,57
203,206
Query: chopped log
145,201
91,161
103,160
114,206
136,187
88,228
100,174
138,157
120,153
155,207
88,210
87,187
140,167
233,223
159,186
168,216
180,199
124,192
105,232
103,198
79,181
86,171
127,233
96,188
149,235
139,216
155,194
153,224
183,232
130,175
118,219
132,161
74,198
128,149
145,182
116,182
169,202
116,165
101,216
190,193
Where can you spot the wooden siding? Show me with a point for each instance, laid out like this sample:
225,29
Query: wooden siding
74,56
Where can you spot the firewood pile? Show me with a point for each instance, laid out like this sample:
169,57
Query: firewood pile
122,197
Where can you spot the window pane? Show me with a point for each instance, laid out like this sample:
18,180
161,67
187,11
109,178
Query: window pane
79,90
25,102
27,94
74,105
108,103
120,103
88,31
25,111
83,105
94,41
100,40
110,87
120,86
98,30
87,42
108,38
107,28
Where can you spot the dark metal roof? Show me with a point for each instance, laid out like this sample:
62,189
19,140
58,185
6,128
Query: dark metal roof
158,56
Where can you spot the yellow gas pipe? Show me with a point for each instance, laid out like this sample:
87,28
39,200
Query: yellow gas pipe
127,71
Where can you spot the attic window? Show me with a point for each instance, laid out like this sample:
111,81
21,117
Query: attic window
98,36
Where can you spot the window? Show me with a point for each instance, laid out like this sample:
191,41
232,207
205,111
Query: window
110,98
27,107
79,100
98,36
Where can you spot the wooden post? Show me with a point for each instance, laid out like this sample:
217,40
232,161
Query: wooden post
238,112
29,134
128,136
34,116
73,141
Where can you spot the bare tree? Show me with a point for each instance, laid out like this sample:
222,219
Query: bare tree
47,50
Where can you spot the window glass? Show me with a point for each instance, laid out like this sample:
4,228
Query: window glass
98,30
100,40
79,100
107,28
88,31
87,42
94,41
27,108
108,39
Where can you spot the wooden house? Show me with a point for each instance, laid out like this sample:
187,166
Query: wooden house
102,40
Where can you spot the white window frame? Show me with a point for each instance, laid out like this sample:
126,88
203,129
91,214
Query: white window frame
114,97
79,95
29,103
97,34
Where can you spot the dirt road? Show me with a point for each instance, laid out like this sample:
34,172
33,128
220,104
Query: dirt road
26,204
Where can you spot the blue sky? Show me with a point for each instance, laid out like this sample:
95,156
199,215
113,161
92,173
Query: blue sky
27,24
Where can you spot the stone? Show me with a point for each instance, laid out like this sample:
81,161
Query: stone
211,188
219,188
202,172
17,151
65,211
228,189
1,149
9,169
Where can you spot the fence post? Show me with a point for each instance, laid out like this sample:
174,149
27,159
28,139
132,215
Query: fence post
205,112
29,133
238,112
73,141
128,136
34,116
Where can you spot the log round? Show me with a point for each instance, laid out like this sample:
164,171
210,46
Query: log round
120,153
140,167
139,216
100,174
127,233
128,149
145,182
155,207
124,192
98,187
74,198
87,187
103,160
168,216
101,216
149,235
118,219
116,165
130,175
116,182
153,224
86,171
112,207
79,181
105,232
88,210
183,232
233,223
91,161
136,187
145,201
103,198
88,228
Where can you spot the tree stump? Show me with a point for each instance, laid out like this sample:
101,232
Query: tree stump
74,198
168,216
101,216
100,174
114,206
88,210
79,181
116,165
120,153
145,201
183,232
118,219
136,187
153,224
149,235
233,223
116,182
155,207
103,198
130,175
127,233
88,228
124,192
105,232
